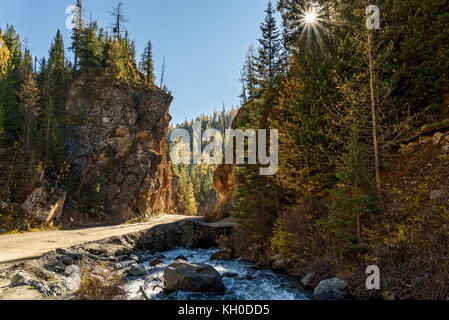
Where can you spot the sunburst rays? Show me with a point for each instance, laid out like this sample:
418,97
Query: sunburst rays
310,22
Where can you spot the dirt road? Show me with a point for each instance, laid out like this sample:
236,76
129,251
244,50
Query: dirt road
23,246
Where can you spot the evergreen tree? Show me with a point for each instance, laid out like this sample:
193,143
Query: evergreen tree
268,63
77,33
12,41
51,136
354,197
146,64
29,96
9,106
26,66
115,66
90,52
250,88
57,74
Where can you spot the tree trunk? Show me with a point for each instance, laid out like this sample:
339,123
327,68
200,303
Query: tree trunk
374,119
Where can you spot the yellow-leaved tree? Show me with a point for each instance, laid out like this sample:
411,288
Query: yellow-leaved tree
4,55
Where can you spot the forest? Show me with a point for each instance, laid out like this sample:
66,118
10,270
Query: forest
195,186
363,120
356,110
33,97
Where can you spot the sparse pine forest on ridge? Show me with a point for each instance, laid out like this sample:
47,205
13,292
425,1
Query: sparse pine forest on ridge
363,120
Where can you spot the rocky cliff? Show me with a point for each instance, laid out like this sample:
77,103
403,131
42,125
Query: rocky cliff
121,150
117,154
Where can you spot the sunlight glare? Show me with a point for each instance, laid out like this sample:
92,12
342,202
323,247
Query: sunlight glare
310,17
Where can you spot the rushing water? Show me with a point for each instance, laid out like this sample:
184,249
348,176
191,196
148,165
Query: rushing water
259,285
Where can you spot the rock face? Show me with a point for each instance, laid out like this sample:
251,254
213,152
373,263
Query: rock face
224,184
45,204
334,289
117,148
192,277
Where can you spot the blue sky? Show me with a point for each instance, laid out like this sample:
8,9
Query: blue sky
204,41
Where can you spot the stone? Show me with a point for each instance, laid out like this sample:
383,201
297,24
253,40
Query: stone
435,194
71,270
331,289
222,255
108,250
137,270
230,275
61,251
192,277
45,204
437,138
155,262
158,255
181,257
20,279
66,260
134,257
306,281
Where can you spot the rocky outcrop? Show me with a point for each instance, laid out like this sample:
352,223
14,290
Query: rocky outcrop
224,184
44,205
117,149
192,277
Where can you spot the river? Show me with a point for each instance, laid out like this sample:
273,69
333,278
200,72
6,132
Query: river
250,284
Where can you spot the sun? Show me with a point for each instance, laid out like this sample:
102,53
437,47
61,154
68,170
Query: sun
310,17
311,22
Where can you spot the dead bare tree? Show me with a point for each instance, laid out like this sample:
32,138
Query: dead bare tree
119,19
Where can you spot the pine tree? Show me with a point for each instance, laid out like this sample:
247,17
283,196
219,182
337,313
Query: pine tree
290,11
268,63
90,52
26,66
354,197
52,139
115,67
250,88
57,74
9,106
76,34
146,64
29,96
12,41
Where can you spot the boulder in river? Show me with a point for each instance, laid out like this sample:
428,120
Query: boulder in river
192,277
222,255
137,270
331,289
155,262
307,281
181,257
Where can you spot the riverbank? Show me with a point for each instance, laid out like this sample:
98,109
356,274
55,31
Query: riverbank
56,273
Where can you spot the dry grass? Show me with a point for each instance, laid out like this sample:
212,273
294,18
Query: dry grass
99,281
